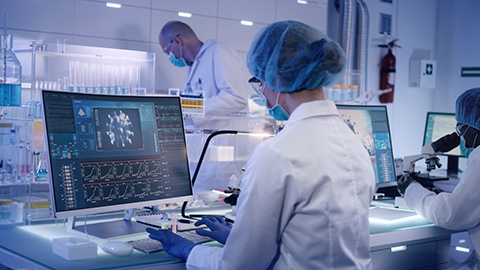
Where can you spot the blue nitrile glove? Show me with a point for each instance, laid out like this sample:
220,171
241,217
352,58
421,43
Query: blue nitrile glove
403,181
173,244
219,228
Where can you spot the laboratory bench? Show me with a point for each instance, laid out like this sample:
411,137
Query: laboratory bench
399,239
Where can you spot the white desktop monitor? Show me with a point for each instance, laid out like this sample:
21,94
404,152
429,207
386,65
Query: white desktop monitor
438,125
370,125
109,153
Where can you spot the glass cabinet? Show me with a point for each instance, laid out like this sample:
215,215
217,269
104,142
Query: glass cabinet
24,190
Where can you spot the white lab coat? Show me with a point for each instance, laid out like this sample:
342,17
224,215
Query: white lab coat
459,210
220,72
304,200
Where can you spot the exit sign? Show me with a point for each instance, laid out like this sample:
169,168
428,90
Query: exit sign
470,71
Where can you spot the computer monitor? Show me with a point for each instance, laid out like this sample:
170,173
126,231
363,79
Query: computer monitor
370,125
108,153
438,125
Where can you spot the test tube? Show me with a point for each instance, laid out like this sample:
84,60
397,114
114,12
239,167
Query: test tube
59,81
103,79
117,80
66,81
72,86
61,45
111,80
87,71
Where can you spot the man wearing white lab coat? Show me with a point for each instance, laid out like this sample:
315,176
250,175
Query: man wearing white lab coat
213,68
459,210
306,192
218,71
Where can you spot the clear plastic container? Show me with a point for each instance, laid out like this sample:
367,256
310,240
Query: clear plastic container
7,152
342,92
5,210
10,73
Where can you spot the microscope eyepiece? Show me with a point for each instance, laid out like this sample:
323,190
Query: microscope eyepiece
446,143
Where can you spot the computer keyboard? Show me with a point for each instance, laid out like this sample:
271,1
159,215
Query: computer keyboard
149,245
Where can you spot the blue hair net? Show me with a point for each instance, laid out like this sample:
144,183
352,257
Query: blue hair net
290,55
468,108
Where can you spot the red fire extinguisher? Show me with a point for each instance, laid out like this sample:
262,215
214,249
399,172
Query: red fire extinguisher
387,73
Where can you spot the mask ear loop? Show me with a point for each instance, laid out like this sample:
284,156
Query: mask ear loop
278,97
181,52
463,135
475,140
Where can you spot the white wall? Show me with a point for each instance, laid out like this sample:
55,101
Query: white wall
441,30
416,25
444,29
449,31
136,25
413,23
457,46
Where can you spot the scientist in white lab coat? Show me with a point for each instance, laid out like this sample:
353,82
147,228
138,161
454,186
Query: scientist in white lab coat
213,68
220,73
459,210
306,192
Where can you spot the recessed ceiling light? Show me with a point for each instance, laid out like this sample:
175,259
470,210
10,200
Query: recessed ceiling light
247,23
113,5
185,14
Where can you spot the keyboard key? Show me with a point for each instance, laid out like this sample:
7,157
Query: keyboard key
149,245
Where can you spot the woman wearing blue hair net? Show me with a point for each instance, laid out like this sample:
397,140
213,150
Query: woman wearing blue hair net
459,210
305,192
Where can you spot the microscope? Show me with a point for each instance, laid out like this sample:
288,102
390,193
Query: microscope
429,153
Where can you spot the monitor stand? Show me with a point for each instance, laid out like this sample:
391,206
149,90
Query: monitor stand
109,229
452,166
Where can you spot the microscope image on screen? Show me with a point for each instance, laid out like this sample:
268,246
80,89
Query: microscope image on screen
117,129
359,122
370,125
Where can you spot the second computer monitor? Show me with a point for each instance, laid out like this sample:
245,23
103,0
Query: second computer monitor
438,125
370,125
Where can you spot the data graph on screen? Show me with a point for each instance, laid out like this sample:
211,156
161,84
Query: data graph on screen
114,152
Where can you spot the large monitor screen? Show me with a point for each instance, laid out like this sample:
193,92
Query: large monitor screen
370,125
110,153
438,125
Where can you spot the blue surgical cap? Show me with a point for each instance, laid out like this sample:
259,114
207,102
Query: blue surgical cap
290,55
468,108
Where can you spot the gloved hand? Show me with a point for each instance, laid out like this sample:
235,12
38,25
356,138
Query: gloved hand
173,244
402,183
219,228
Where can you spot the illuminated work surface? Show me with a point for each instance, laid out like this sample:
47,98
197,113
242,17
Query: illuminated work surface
401,239
390,226
31,246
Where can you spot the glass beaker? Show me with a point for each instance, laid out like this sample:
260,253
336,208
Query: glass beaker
10,73
41,172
